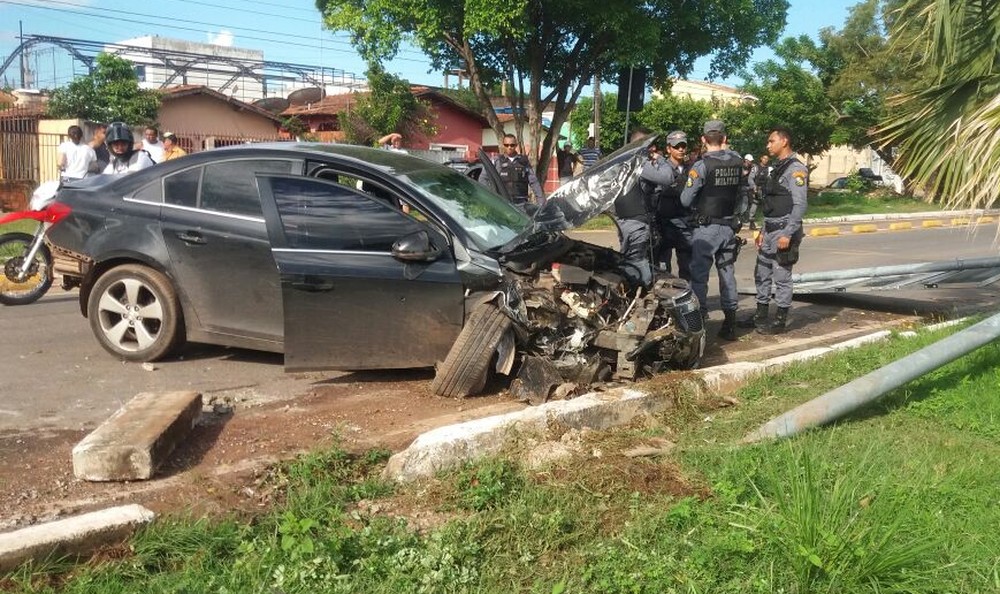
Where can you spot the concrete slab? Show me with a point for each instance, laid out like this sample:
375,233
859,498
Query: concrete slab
135,440
78,535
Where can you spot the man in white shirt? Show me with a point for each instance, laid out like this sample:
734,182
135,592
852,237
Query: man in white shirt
75,157
151,143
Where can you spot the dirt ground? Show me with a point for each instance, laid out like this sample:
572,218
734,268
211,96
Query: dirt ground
219,468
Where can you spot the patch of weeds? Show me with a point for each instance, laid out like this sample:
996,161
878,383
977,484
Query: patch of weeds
838,528
487,484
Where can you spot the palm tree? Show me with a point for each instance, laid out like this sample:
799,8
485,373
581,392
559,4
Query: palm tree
947,128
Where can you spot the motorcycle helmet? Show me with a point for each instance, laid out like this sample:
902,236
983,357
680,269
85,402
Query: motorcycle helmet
118,131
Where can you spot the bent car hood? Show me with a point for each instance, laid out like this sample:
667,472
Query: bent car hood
584,197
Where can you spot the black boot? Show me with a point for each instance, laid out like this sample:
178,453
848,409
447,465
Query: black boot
778,325
728,330
757,320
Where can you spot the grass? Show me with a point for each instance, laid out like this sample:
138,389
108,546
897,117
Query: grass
900,498
834,204
22,226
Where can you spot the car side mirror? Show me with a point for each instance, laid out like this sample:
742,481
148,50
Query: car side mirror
415,247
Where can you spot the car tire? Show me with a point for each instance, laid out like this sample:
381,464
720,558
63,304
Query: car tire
465,369
135,314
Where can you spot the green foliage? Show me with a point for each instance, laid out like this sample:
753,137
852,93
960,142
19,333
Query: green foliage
295,126
390,106
670,113
951,114
661,115
488,484
110,93
788,95
548,52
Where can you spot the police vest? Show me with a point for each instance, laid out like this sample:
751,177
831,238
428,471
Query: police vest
670,206
720,193
514,175
632,205
777,200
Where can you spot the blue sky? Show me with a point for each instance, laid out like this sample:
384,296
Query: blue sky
287,31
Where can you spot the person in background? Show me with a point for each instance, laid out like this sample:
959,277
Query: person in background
170,148
590,153
757,181
151,143
517,174
567,160
75,157
125,157
392,141
100,149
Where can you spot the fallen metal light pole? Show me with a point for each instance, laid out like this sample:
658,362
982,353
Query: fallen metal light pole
849,397
880,271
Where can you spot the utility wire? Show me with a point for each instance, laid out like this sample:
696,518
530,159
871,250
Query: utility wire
172,25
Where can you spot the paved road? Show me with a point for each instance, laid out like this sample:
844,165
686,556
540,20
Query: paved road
55,376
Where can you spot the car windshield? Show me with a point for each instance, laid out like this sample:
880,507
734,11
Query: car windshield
490,220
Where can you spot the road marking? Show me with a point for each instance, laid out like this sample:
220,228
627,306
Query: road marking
958,222
864,228
932,223
821,231
900,226
985,220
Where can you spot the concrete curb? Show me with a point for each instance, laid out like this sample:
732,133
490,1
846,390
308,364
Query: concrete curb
78,535
448,447
937,214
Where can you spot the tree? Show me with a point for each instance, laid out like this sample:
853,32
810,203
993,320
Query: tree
670,113
858,69
549,51
947,131
390,106
789,95
110,93
612,122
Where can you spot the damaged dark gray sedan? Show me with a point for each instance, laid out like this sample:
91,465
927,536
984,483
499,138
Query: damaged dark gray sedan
348,258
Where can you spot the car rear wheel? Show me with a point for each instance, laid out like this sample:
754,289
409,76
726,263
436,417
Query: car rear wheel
135,314
465,369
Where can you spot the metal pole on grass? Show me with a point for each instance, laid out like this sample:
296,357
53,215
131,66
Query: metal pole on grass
864,390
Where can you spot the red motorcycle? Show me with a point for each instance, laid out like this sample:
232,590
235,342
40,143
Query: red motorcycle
26,260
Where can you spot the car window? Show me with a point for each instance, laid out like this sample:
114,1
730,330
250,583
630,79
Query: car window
231,186
181,189
150,192
321,215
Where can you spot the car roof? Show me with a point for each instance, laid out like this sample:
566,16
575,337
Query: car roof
387,160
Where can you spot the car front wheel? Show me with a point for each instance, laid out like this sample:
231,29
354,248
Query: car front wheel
465,369
134,313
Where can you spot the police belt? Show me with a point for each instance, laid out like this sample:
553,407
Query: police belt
639,218
772,226
706,221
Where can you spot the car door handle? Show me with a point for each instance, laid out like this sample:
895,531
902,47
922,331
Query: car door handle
313,284
191,237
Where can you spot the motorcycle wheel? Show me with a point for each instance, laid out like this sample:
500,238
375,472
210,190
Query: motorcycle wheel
13,249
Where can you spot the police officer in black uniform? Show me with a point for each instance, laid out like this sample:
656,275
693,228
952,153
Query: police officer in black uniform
671,218
517,174
784,205
716,191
